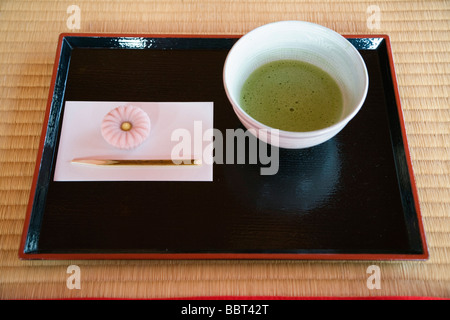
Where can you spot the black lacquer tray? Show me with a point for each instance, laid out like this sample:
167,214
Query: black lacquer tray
353,197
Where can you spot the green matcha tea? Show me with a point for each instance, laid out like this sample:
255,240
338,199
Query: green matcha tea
292,95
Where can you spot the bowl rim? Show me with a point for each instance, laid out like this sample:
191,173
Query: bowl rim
297,134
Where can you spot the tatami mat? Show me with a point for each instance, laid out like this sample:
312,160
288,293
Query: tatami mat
420,37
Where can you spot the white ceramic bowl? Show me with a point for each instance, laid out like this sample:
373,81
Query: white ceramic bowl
303,41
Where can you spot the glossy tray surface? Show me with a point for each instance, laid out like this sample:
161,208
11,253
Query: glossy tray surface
352,197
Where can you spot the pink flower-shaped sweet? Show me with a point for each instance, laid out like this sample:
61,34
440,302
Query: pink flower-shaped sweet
126,127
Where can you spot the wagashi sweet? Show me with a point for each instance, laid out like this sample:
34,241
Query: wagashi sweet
126,127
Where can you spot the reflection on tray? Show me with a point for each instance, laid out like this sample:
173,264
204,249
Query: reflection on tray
306,181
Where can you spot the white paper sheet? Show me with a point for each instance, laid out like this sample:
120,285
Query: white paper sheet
81,138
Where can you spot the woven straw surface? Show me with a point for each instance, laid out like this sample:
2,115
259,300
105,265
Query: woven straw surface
419,32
